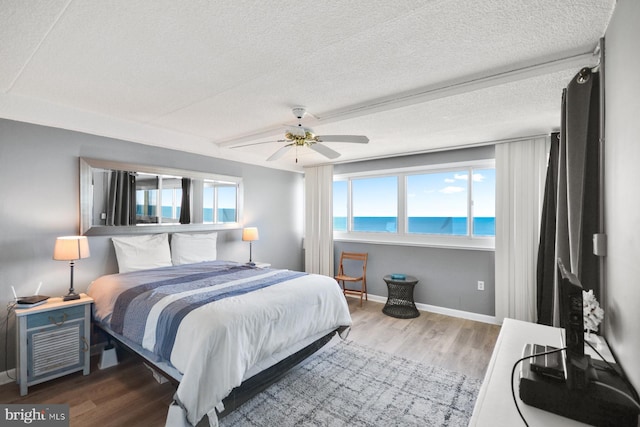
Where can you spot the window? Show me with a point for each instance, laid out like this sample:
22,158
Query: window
437,203
227,203
158,199
171,199
447,205
220,202
484,202
146,202
374,203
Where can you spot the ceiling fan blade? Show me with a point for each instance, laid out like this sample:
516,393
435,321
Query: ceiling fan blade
359,139
281,152
325,151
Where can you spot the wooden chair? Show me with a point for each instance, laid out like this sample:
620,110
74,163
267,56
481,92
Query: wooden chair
353,261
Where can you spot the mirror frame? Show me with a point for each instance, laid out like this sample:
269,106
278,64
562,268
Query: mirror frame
86,199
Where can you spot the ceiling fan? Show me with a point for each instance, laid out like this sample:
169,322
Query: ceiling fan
299,136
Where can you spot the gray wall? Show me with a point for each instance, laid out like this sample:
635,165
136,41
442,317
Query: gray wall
622,199
39,169
448,277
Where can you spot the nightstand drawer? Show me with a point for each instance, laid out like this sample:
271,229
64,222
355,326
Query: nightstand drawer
55,317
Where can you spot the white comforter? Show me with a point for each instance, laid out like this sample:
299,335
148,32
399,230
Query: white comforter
218,343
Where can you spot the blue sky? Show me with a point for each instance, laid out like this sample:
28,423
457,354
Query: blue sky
226,197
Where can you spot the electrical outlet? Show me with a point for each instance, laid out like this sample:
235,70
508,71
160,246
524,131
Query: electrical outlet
480,285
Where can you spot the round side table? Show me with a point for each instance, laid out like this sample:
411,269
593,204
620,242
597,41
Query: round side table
400,302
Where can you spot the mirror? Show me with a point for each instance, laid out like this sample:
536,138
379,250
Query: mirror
124,198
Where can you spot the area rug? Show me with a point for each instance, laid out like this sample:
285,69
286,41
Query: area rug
350,385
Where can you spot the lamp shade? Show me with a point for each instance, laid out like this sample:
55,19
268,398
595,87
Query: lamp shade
70,248
250,234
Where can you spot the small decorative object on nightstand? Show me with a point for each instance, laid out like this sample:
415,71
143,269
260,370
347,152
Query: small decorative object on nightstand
53,339
400,301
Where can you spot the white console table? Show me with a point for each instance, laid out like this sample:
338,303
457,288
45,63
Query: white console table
494,405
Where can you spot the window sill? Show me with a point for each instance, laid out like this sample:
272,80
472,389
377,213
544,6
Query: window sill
444,242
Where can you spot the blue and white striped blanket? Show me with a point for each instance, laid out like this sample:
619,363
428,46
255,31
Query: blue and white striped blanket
218,322
193,290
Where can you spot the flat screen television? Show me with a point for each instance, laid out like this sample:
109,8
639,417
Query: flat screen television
571,319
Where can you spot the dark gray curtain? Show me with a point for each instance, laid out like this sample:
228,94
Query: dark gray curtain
121,203
547,249
577,213
185,204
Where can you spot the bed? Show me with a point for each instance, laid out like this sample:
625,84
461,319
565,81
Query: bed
213,325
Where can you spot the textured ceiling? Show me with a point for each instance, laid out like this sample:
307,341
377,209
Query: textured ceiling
210,77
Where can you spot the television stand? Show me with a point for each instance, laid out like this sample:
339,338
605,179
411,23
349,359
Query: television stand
494,405
595,404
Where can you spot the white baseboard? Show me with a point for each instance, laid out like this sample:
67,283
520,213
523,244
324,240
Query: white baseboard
458,313
442,310
5,379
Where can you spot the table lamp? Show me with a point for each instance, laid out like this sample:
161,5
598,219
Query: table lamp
71,248
249,234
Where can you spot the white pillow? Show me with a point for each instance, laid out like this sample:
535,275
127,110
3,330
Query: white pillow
142,252
192,248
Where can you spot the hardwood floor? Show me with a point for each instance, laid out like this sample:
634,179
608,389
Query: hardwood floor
127,395
457,344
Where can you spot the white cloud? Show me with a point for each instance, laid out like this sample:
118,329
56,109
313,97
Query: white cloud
449,180
477,177
452,190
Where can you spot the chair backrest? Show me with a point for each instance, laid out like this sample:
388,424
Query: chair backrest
355,256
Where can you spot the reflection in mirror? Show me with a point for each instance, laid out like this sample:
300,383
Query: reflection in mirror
119,198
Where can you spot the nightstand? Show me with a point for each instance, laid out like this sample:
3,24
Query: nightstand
53,339
400,302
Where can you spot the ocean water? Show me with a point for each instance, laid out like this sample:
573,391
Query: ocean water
450,226
224,214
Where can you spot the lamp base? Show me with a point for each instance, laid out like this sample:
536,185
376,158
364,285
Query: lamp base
70,297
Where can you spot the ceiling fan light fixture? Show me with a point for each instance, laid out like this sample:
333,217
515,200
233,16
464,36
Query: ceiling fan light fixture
299,136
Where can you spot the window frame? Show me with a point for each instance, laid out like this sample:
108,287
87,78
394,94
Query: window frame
402,236
160,188
350,203
216,185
